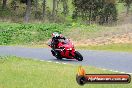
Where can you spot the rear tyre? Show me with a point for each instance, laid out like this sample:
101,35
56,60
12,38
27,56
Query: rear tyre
78,56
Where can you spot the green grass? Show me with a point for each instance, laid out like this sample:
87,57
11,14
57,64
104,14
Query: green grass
17,72
109,47
16,33
20,33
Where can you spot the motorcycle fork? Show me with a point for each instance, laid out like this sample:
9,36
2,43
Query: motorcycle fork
71,53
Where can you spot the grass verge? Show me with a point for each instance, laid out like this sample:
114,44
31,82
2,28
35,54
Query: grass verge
109,47
17,72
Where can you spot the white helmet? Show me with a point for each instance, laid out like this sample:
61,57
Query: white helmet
55,34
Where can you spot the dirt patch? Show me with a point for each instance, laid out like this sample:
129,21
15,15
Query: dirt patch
115,39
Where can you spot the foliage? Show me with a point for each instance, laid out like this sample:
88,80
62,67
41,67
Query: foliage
92,10
126,1
127,4
41,10
65,7
27,33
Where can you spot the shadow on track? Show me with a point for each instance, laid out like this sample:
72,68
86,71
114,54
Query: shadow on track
65,60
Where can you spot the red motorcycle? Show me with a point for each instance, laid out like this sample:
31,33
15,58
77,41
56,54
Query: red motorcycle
65,49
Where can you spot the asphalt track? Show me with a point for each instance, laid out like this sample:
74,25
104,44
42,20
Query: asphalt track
117,61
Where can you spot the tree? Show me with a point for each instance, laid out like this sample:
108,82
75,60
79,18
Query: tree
0,2
54,9
65,7
44,7
109,12
28,11
36,8
92,9
86,9
4,4
14,5
26,1
127,4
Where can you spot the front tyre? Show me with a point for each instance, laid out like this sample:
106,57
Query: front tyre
56,54
58,57
78,56
53,52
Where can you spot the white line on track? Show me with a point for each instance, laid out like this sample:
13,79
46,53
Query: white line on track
99,68
64,63
41,60
122,72
129,73
115,71
49,61
57,62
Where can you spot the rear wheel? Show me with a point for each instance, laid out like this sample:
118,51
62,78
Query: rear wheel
78,56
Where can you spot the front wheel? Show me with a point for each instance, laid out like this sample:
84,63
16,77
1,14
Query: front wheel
78,56
56,54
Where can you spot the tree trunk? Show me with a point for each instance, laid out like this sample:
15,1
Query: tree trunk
0,2
65,7
44,6
36,9
28,11
90,16
4,4
14,5
127,9
54,8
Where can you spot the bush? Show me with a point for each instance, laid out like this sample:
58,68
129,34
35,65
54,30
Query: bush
14,33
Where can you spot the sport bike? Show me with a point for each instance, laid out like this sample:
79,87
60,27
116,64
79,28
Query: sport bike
65,49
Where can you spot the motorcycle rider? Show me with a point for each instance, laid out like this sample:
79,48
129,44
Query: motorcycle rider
55,39
63,48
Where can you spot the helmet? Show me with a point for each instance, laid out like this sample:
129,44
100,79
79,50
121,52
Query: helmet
55,34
